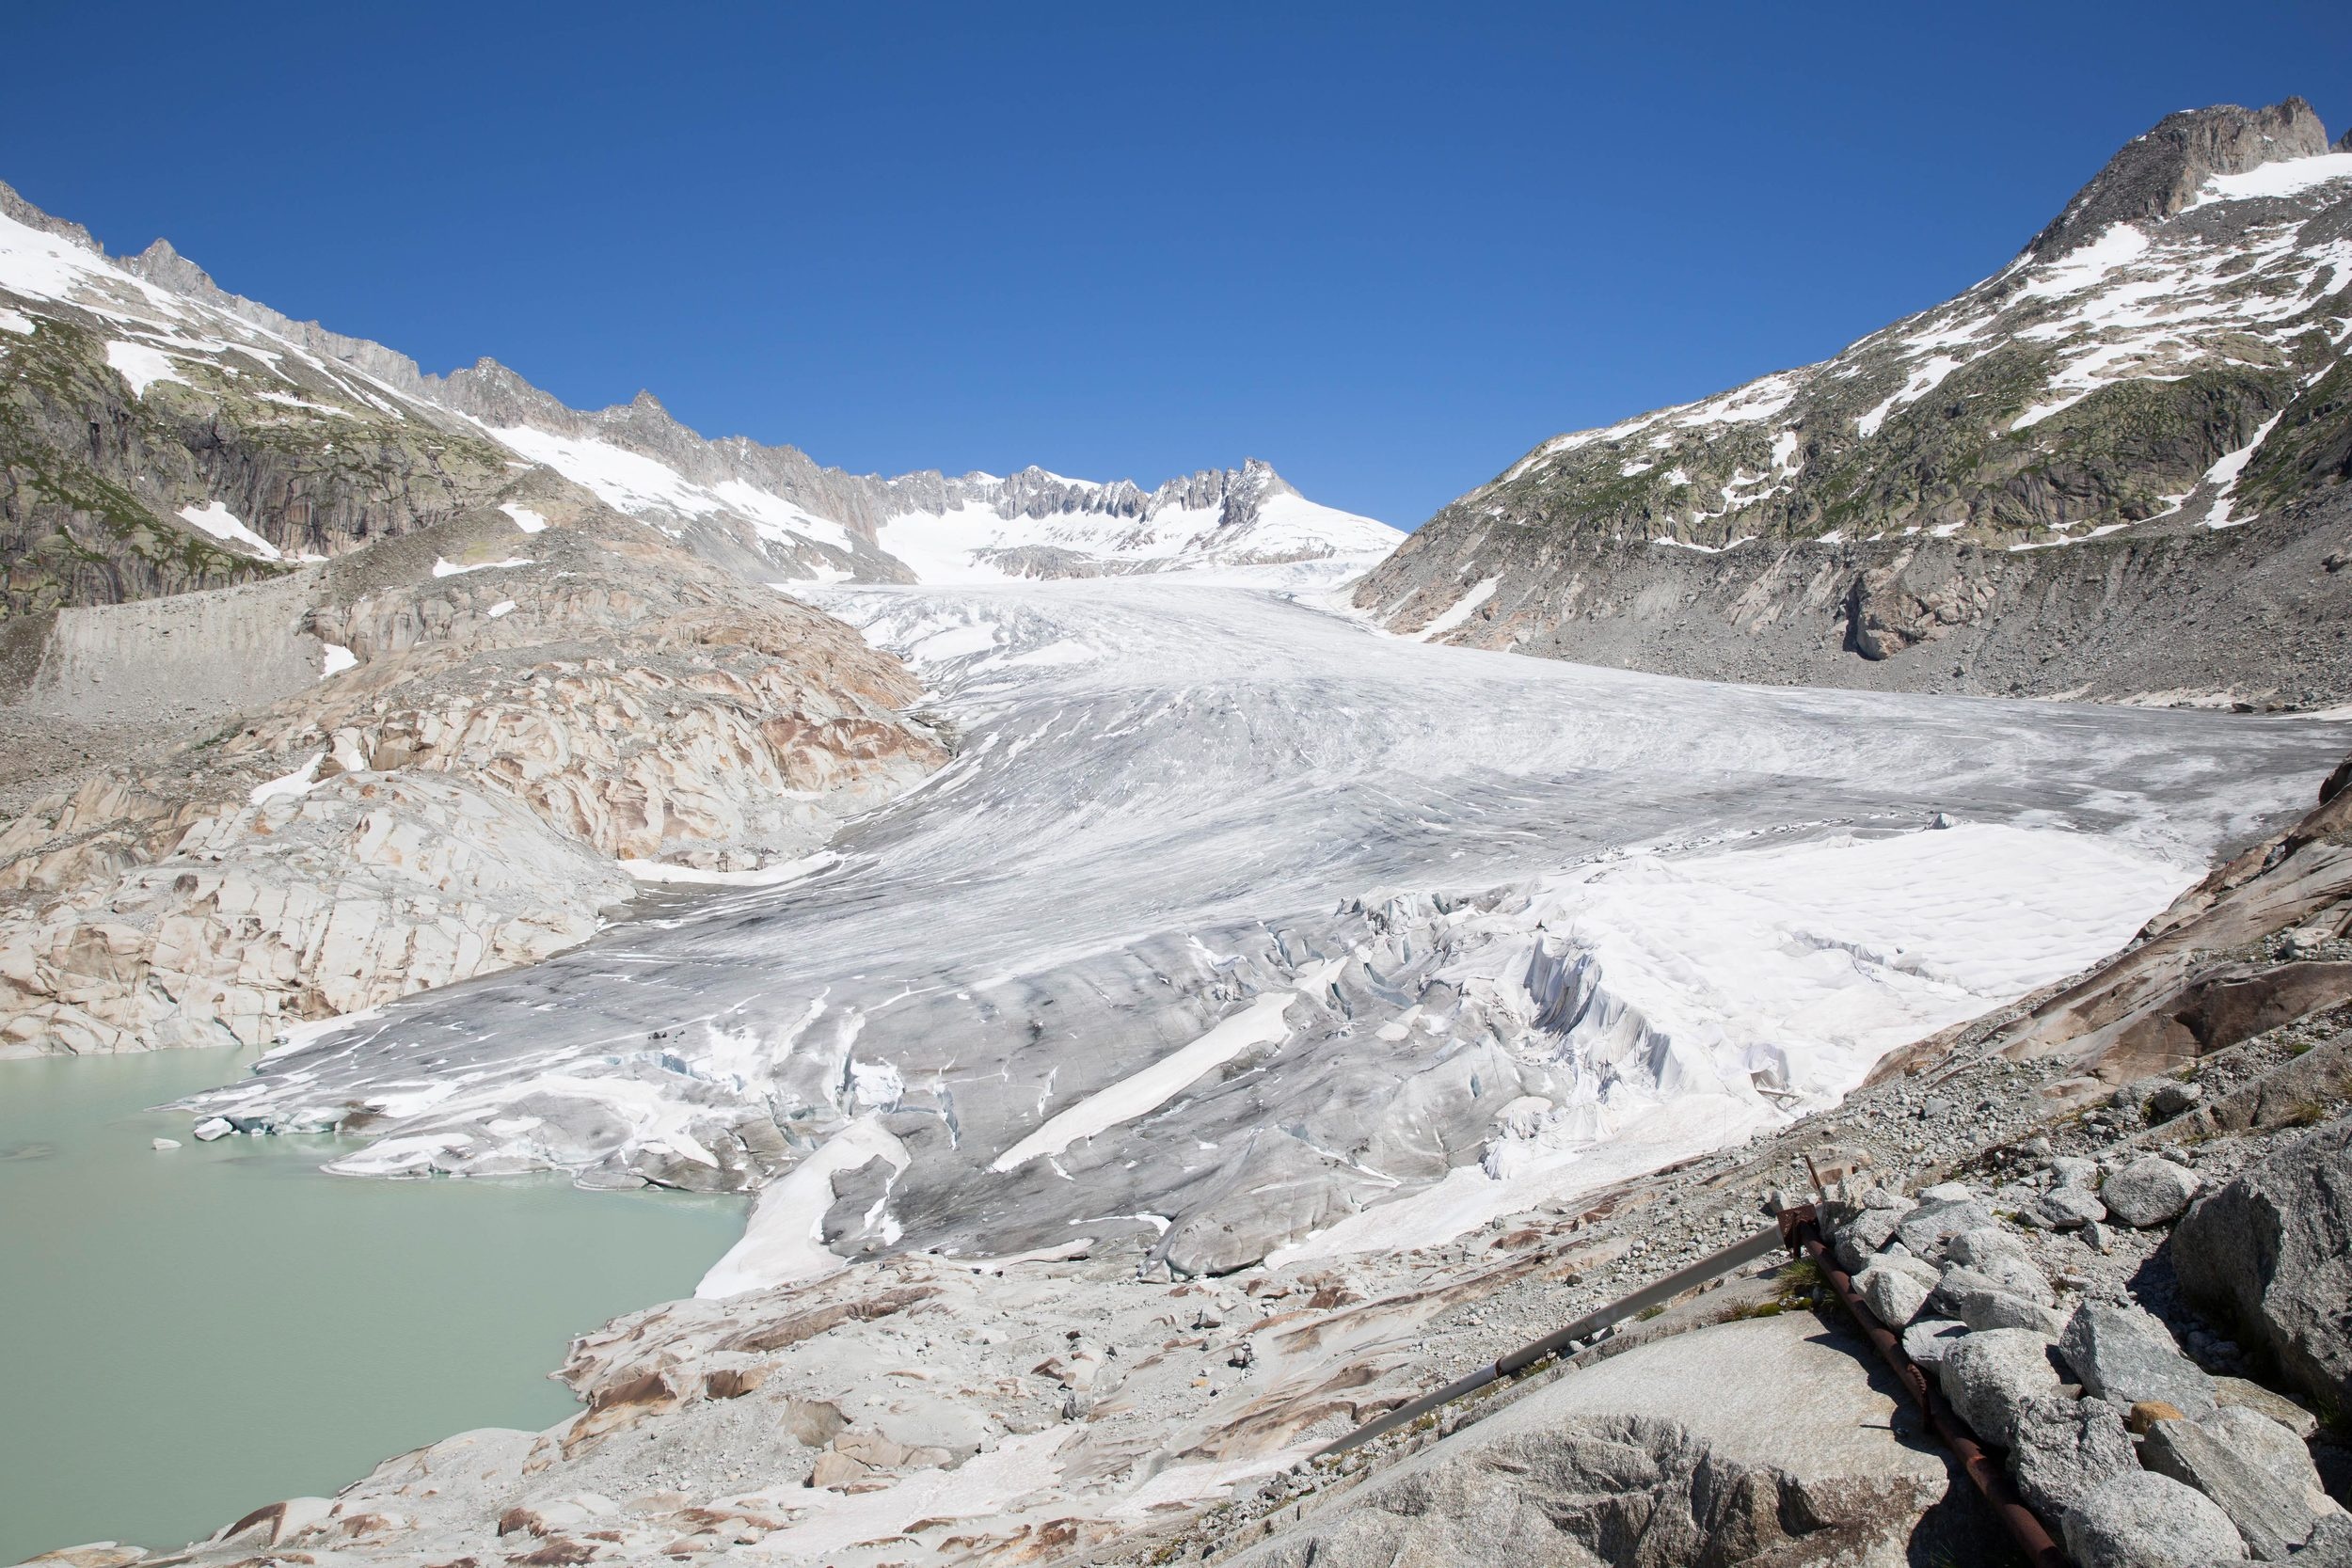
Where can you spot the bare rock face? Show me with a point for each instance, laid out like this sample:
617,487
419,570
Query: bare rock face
2271,1255
508,725
2157,174
305,905
1718,1446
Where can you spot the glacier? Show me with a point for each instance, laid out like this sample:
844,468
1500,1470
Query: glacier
1239,929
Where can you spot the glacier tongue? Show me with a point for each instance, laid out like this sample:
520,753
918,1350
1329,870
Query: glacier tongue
1444,930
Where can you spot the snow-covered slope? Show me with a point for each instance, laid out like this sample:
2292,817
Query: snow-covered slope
2166,364
153,333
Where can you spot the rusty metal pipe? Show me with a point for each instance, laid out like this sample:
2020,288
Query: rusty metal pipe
1511,1363
1801,1227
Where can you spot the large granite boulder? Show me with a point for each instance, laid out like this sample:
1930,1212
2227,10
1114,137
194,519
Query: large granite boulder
1991,1376
2258,1472
2125,1355
2150,1191
2063,1448
2144,1520
2270,1255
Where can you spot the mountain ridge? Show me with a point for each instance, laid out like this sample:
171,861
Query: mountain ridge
768,511
2135,395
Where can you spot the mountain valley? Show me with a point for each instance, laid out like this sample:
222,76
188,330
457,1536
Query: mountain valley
1174,973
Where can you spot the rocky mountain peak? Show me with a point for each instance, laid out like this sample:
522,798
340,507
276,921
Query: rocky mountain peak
2158,173
14,206
161,264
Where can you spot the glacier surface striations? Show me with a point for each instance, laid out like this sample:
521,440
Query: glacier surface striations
1237,928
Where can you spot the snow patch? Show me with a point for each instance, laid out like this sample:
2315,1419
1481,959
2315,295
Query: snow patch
141,366
1461,610
783,1243
447,569
2292,177
226,527
524,519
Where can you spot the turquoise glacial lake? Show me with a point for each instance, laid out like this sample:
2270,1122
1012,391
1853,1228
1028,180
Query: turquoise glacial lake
194,1332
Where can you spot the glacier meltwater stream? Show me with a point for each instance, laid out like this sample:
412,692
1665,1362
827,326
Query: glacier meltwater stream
1236,930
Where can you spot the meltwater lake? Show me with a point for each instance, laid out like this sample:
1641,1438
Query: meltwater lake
194,1332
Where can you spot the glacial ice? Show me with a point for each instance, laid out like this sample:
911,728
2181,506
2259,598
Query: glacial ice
1460,929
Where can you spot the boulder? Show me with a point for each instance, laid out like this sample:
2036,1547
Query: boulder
2150,1191
2067,1207
1937,1221
2173,1100
1990,1376
1860,1237
1989,1309
2125,1355
2330,1543
1927,1339
1893,1295
1980,1247
2270,1256
2243,1473
2064,1447
2014,1275
2227,1391
2143,1520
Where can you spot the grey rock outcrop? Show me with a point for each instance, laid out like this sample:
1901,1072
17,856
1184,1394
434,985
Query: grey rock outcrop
2143,1520
2270,1254
1717,1447
2125,1355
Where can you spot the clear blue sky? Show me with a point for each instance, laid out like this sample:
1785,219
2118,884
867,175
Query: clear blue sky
1386,248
